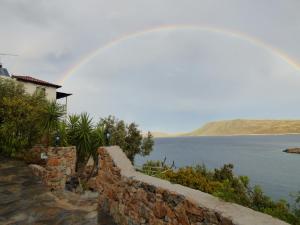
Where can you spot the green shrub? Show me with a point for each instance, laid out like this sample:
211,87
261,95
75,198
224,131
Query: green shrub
127,136
25,119
20,118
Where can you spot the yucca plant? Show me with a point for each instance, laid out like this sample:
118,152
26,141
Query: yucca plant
83,137
51,118
72,128
63,133
99,137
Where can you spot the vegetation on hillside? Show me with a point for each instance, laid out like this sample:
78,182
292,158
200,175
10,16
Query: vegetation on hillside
225,185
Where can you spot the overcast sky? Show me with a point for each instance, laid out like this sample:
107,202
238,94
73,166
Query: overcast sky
170,80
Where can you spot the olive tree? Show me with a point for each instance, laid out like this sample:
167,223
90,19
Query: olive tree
127,136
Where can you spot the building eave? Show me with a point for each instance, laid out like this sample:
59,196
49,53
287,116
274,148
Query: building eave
29,79
60,95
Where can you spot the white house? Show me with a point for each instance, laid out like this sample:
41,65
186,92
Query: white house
32,85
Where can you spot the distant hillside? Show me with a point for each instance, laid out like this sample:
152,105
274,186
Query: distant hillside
158,134
247,127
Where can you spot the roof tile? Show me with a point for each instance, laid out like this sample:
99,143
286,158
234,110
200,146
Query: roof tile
35,81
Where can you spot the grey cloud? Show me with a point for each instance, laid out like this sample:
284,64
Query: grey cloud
169,80
217,83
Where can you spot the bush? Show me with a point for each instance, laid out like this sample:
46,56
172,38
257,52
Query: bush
20,118
25,119
127,136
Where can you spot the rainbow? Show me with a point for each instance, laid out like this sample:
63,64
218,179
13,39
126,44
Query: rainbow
229,33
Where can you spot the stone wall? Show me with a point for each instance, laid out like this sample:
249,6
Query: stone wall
33,156
133,198
59,166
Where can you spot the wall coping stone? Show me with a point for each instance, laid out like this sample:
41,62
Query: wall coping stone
239,215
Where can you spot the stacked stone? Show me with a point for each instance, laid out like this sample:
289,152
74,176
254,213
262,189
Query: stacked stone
33,156
60,165
133,202
38,170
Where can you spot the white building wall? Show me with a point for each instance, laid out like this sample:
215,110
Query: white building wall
31,88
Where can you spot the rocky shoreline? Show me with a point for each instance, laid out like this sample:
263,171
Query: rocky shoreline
292,150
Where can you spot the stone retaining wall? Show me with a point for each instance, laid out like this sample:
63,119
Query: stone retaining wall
59,165
133,198
33,156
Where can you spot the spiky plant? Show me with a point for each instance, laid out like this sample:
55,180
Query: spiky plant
84,137
51,117
63,133
99,137
72,128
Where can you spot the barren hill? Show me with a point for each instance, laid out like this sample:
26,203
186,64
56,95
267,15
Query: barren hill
247,127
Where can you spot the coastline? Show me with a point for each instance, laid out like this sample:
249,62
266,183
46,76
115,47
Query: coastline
227,135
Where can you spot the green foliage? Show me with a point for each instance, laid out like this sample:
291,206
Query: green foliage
25,119
99,136
189,177
72,128
84,136
20,117
225,185
224,173
98,139
155,168
10,89
296,196
147,145
133,141
51,119
81,132
127,136
62,132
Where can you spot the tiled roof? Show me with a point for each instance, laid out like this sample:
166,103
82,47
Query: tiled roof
35,81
